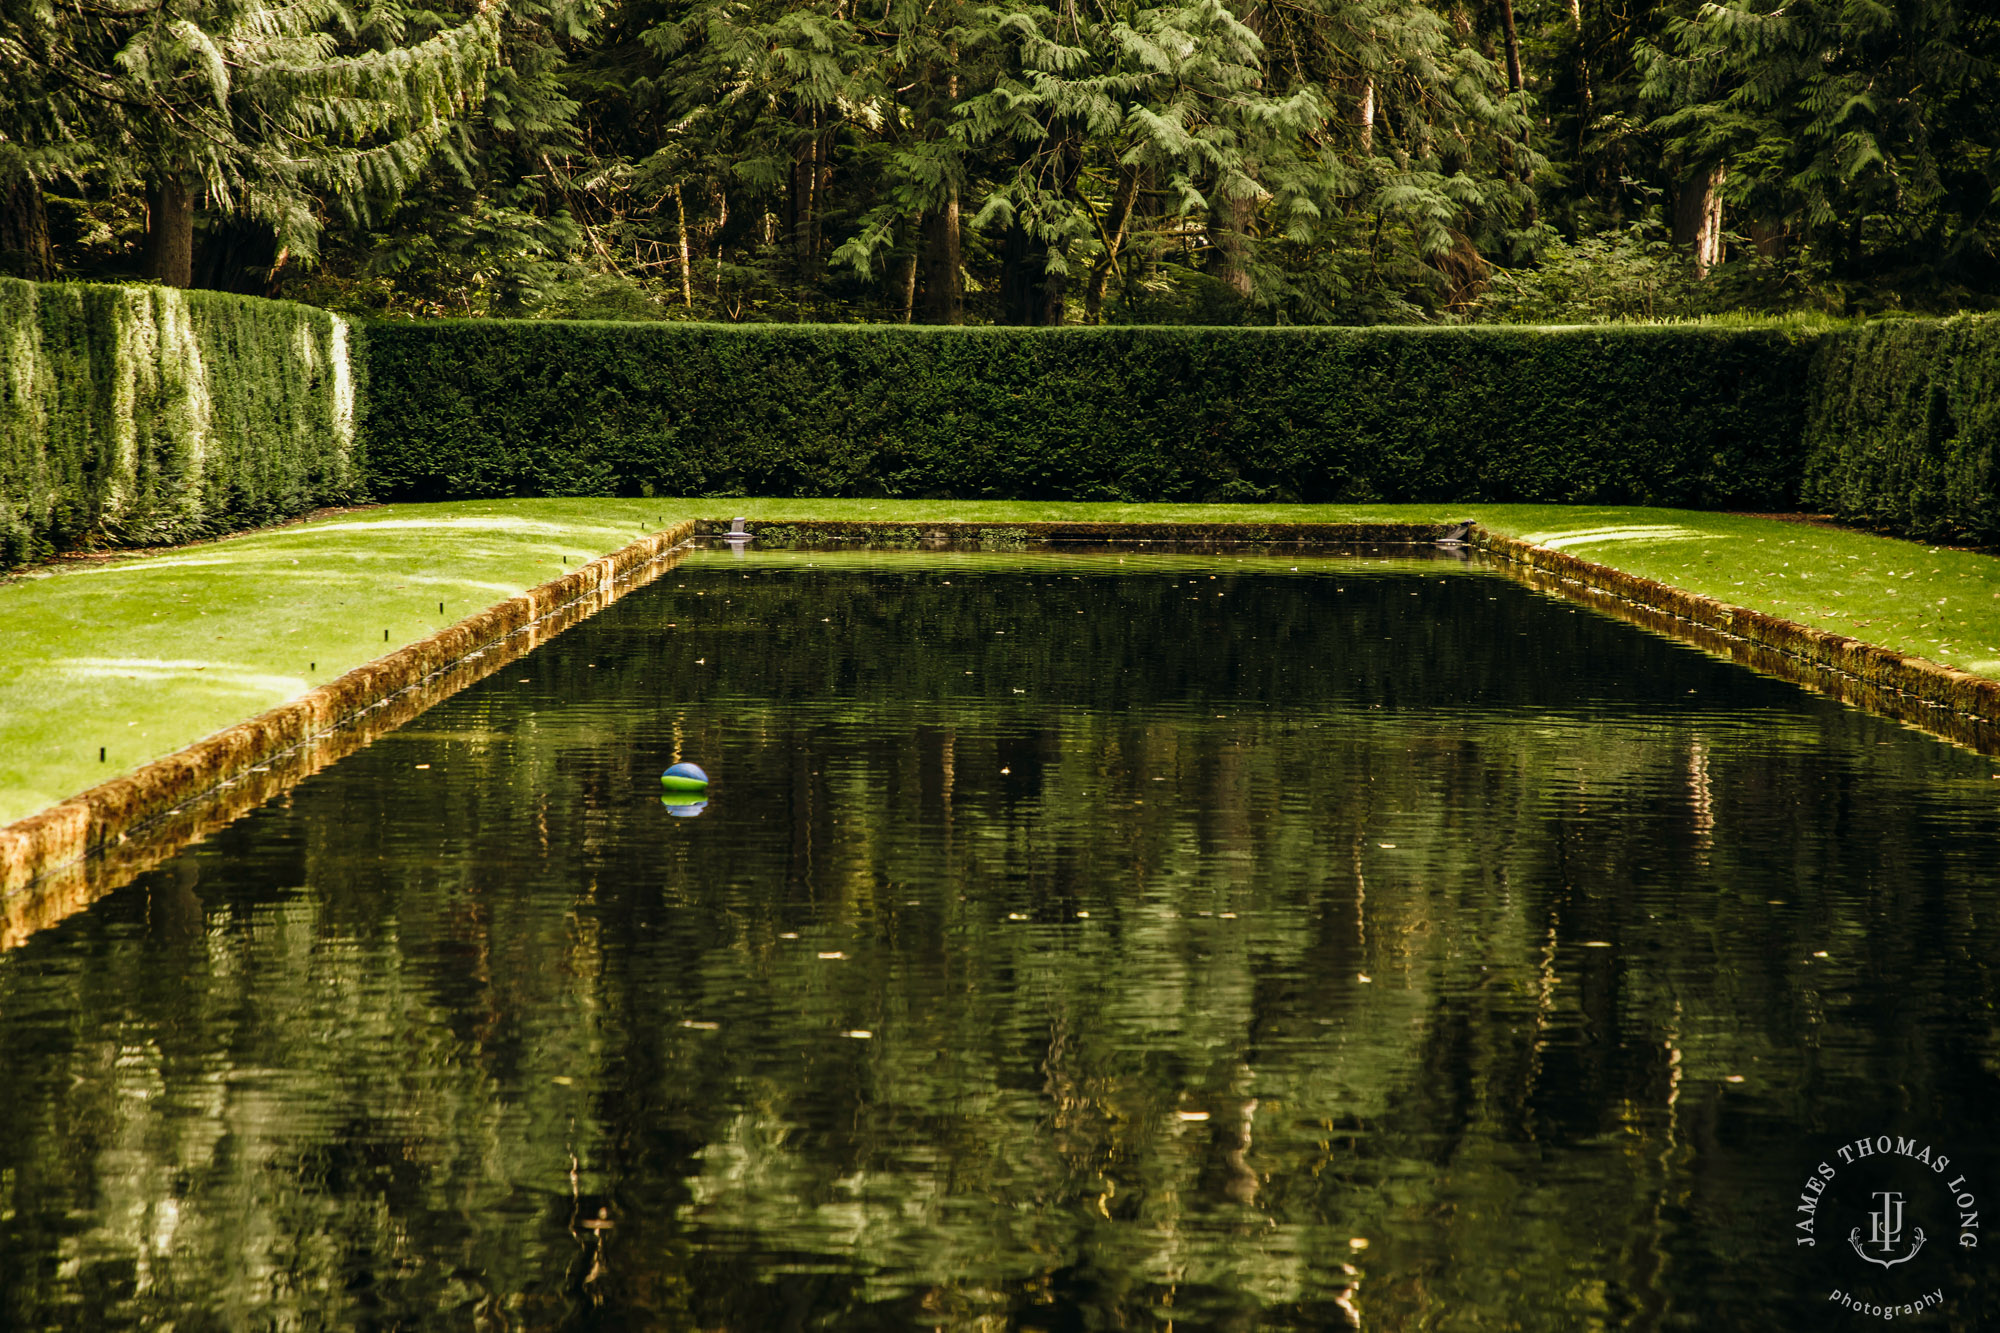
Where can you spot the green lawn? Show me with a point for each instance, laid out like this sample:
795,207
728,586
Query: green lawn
142,655
1936,603
146,654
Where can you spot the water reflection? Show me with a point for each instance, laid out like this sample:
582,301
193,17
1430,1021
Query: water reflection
1081,944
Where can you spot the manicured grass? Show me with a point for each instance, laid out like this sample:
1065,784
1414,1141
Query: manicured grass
142,655
1931,602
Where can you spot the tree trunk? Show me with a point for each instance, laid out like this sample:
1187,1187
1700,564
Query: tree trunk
1585,95
238,255
1114,242
687,256
942,239
1514,80
1229,231
1698,217
904,285
1230,218
944,279
1770,239
1364,115
169,257
803,224
1018,253
1052,292
24,221
1029,294
721,199
1514,84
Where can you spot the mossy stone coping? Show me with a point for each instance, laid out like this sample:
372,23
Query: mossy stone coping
71,830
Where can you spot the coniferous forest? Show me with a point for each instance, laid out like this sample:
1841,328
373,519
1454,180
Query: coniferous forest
945,162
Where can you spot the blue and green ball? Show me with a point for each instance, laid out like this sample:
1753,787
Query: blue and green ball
684,777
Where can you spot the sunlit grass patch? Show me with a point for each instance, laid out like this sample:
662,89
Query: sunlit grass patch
1927,601
143,654
1632,532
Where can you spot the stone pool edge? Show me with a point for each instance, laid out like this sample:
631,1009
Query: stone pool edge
71,831
1008,533
1955,704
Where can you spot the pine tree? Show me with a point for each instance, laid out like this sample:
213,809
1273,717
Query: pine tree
1863,131
488,226
259,109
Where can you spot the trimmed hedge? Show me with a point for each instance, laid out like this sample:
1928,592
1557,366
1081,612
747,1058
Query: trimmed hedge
146,414
1903,428
1660,415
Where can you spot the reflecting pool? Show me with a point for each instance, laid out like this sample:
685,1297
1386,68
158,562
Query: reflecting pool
1089,940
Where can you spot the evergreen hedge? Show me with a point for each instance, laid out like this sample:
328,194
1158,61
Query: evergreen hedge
1903,428
1660,415
145,414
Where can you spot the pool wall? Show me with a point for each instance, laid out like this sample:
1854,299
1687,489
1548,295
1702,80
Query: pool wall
1007,535
1954,704
412,678
1944,700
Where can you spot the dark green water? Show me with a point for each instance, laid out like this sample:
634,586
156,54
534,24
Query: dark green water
1069,944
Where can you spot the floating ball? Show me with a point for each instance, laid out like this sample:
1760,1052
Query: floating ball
684,777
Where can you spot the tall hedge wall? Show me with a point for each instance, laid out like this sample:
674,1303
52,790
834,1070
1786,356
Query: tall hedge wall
1667,415
1903,429
144,414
